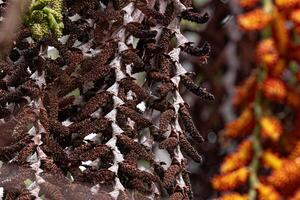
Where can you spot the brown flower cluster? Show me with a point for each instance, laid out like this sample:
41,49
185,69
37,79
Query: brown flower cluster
265,165
104,118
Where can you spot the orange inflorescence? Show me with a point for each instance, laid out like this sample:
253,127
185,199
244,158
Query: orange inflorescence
269,102
274,89
233,196
271,160
266,53
241,125
267,192
239,158
254,20
271,128
231,180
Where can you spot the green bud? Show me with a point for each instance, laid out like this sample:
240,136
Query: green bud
45,15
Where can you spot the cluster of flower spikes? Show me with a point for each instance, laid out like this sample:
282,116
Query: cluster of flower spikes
104,119
265,165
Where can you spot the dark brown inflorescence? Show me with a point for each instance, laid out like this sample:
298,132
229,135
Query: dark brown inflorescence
104,118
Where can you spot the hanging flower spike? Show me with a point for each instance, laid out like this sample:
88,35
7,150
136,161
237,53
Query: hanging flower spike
231,180
271,128
273,175
254,20
274,89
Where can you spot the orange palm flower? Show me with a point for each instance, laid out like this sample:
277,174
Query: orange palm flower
287,4
254,20
267,192
274,89
271,160
231,180
266,53
271,128
239,158
242,125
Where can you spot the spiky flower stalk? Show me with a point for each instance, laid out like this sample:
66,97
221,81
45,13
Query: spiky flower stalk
104,120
